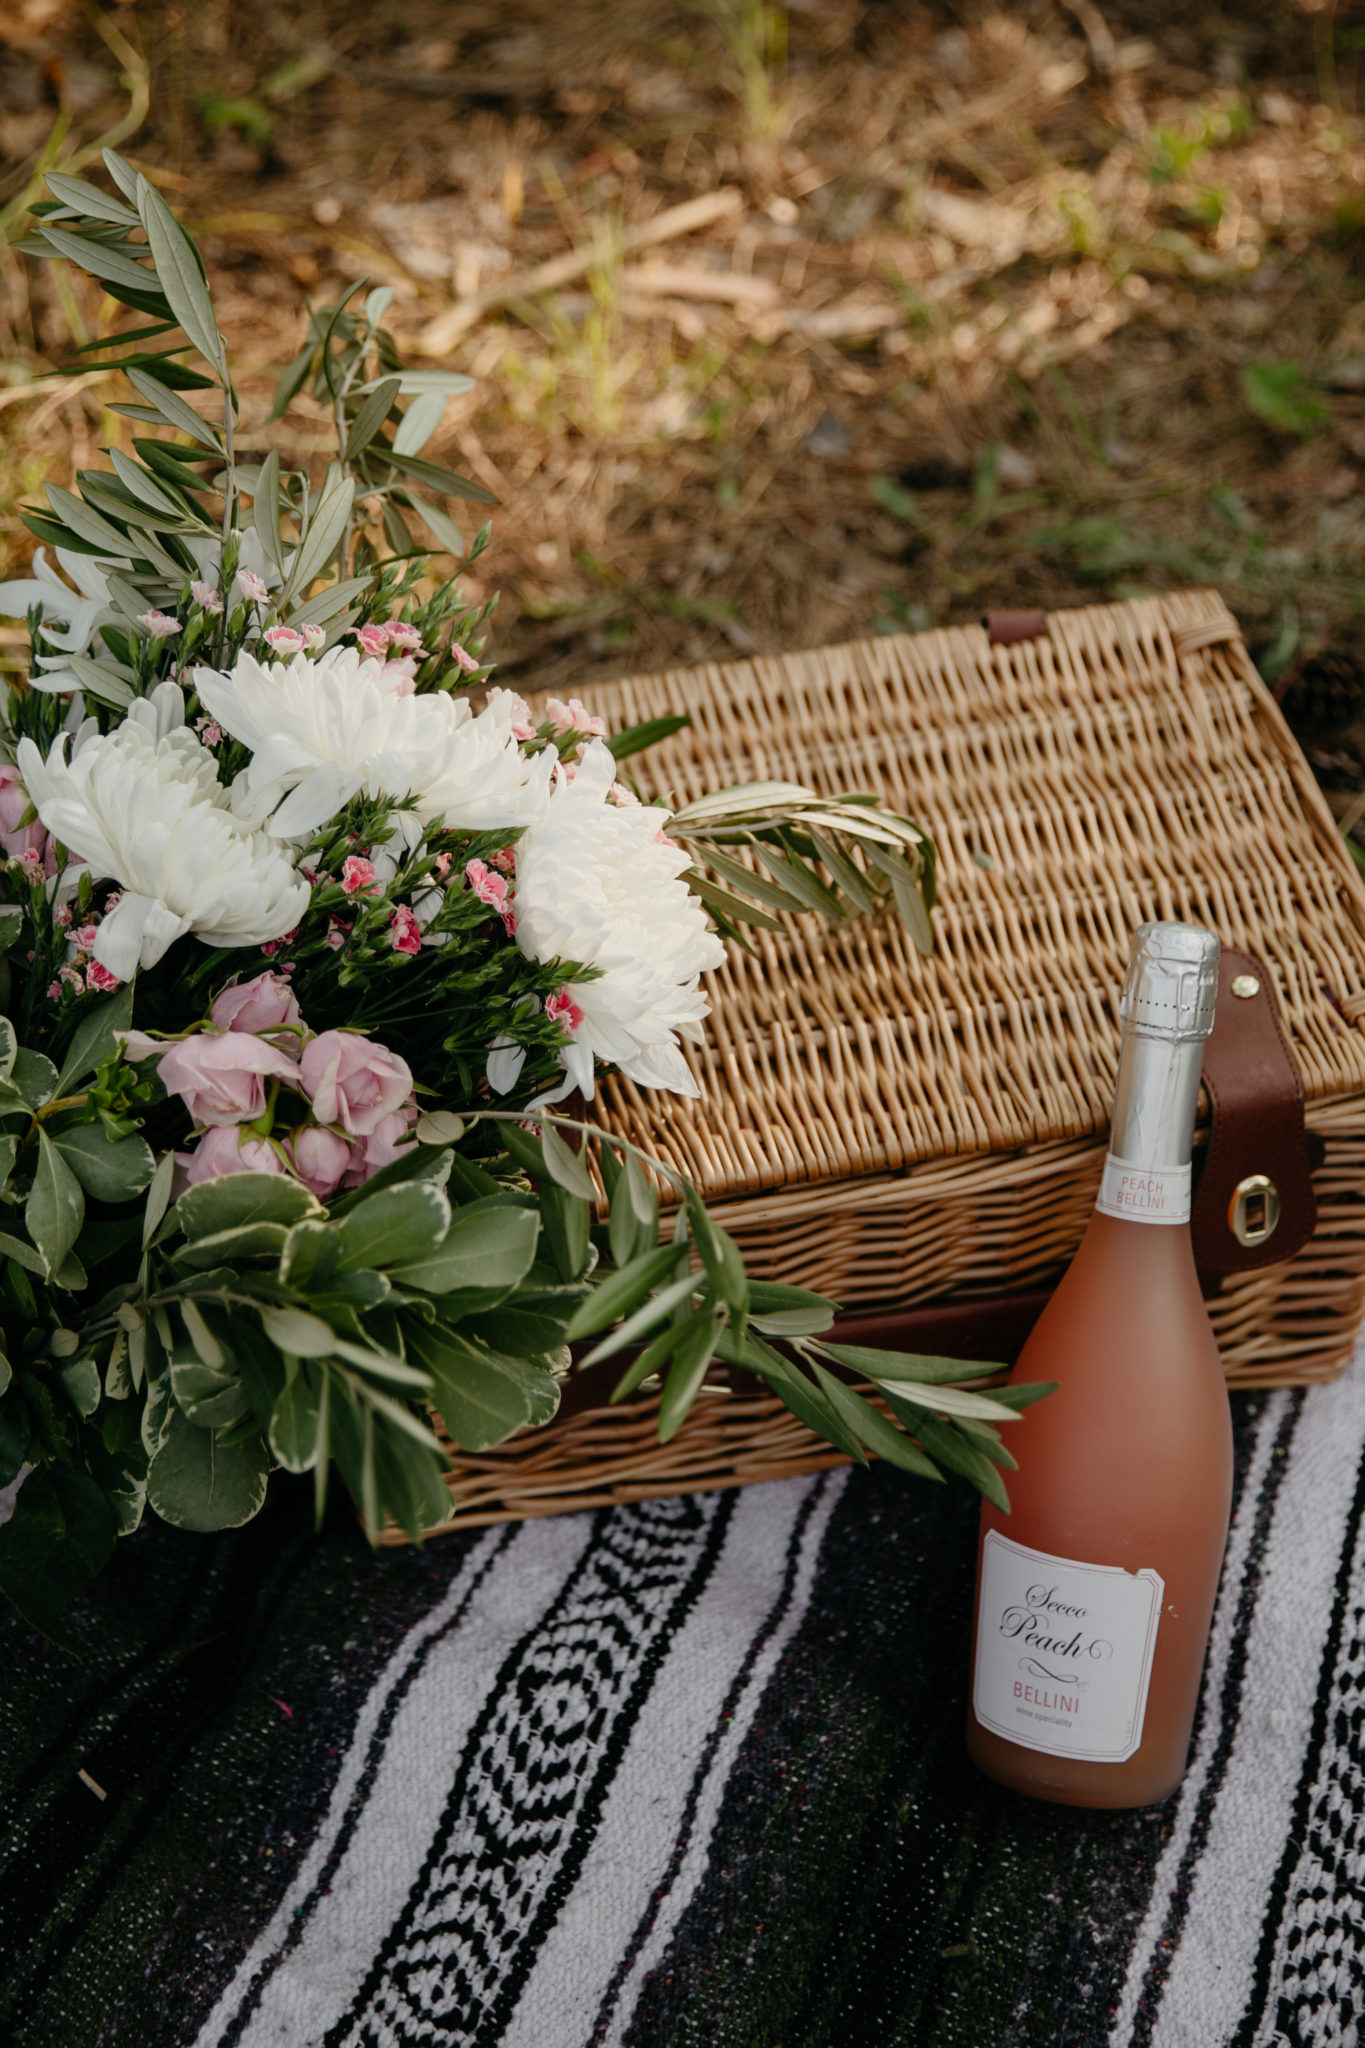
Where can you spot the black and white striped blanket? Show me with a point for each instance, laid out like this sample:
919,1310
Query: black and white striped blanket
687,1774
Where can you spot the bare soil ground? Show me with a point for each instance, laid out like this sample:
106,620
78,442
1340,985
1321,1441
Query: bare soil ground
979,304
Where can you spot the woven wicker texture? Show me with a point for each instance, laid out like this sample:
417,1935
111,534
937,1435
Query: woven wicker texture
894,1129
891,1128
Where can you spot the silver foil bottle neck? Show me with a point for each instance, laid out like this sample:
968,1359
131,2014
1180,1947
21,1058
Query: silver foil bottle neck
1172,982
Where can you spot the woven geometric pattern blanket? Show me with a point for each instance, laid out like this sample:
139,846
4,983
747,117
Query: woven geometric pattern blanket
688,1774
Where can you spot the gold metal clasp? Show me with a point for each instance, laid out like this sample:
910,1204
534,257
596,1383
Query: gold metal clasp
1254,1210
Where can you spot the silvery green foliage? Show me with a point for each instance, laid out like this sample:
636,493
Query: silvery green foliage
170,1345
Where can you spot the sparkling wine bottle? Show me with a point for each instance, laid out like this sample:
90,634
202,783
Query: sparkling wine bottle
1095,1595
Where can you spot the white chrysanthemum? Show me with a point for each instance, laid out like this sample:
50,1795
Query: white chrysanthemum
151,813
599,885
324,730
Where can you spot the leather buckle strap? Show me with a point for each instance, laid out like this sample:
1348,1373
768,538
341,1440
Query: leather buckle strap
1254,1205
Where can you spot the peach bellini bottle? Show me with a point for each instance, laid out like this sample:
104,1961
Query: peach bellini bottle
1095,1596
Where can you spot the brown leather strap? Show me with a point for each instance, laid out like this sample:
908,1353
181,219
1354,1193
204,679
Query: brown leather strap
1259,1156
1005,628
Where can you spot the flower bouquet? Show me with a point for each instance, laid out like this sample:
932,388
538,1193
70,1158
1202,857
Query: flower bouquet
305,930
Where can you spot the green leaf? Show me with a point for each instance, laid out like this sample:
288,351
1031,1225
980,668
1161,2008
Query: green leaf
309,1255
748,883
563,1164
22,1254
241,1198
265,507
370,418
89,199
175,411
949,1400
398,1226
480,1403
328,602
59,1538
196,1482
633,739
209,1397
719,1255
55,1208
323,537
81,1384
805,1401
98,258
621,1293
11,924
438,478
9,1048
789,1311
442,525
90,525
419,422
643,1320
797,879
566,1219
693,1349
910,1365
1024,1393
943,1442
453,383
111,1169
97,679
139,483
179,275
300,1334
294,1426
871,1427
158,1197
482,1257
122,173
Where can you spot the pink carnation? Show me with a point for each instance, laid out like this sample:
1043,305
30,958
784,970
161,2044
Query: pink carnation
221,1078
441,865
357,874
352,1082
374,640
274,946
98,978
206,595
562,1009
263,1004
226,1150
313,638
158,625
573,716
253,586
407,639
523,725
488,887
283,639
462,658
406,932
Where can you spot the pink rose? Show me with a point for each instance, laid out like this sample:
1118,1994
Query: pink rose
319,1158
221,1079
389,1140
227,1150
260,1005
17,839
353,1083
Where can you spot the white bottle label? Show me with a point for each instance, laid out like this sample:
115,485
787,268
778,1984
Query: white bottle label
1152,1194
1064,1651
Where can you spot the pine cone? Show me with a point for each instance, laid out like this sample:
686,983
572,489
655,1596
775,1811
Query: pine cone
1325,696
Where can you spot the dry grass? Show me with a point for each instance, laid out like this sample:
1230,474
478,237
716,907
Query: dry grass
988,318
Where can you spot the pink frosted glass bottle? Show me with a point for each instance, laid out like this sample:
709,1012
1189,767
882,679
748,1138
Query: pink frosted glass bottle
1095,1595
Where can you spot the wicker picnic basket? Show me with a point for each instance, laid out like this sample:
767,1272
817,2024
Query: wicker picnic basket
897,1130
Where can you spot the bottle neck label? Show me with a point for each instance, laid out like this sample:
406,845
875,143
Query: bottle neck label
1144,1194
1064,1651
